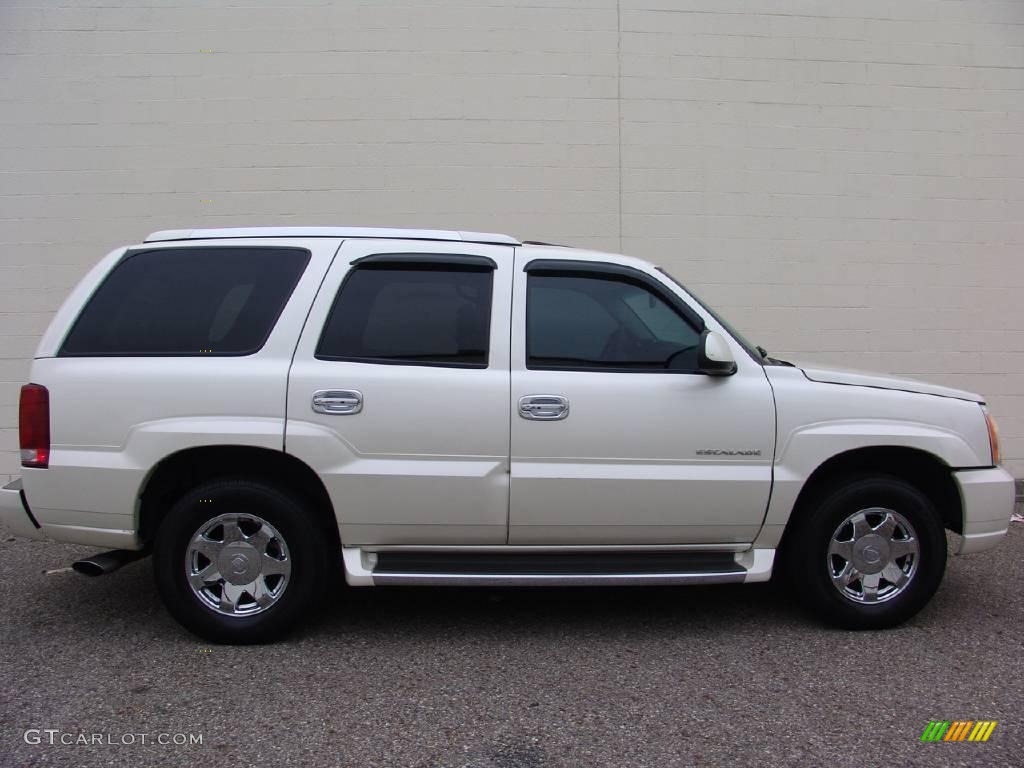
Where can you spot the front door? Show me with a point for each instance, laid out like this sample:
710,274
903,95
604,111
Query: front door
616,438
398,394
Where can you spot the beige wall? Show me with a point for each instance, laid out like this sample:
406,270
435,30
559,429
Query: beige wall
844,179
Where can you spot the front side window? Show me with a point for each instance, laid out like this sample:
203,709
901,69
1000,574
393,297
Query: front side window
407,314
187,301
605,322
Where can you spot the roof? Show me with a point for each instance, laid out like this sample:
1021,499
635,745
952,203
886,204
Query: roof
339,232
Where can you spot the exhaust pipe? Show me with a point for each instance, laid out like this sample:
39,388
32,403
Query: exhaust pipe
107,562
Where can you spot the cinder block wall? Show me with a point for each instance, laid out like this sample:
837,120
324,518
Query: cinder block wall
844,179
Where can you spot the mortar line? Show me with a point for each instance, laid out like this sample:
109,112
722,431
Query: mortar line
618,103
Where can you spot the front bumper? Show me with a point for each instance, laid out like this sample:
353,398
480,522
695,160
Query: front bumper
14,513
987,496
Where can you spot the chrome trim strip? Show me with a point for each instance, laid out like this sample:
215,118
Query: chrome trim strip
555,580
527,548
109,538
91,529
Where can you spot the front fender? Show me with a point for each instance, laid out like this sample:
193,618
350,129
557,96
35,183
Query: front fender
819,421
807,450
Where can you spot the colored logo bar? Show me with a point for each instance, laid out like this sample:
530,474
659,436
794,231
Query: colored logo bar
958,730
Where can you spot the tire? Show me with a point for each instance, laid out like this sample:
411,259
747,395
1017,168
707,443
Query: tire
846,535
270,547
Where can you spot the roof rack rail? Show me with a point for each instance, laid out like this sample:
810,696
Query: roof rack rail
491,238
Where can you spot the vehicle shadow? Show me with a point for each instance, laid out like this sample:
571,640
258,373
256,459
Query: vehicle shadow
127,602
127,599
533,608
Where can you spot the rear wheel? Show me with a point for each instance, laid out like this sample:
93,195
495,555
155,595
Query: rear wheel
239,561
869,555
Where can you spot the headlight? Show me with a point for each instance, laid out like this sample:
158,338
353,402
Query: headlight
993,436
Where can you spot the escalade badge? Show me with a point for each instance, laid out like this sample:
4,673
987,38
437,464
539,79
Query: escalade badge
721,452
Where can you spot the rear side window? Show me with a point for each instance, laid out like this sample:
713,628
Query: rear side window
413,315
187,301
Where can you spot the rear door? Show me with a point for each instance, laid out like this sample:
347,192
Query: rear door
398,393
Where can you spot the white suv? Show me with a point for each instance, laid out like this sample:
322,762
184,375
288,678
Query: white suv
258,407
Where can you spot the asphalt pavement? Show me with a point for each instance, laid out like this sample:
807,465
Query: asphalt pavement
506,678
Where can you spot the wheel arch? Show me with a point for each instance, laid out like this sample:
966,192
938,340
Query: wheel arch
183,470
927,472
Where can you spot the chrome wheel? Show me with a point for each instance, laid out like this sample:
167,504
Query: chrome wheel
873,555
237,565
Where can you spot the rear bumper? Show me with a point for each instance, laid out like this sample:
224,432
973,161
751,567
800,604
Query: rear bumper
14,513
987,496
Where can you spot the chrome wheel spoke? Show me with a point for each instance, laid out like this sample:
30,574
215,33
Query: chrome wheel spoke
273,566
261,538
842,548
894,574
207,547
232,531
861,526
887,527
869,587
230,596
262,595
846,576
902,547
205,577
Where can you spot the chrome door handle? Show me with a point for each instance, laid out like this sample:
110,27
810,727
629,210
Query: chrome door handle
337,402
544,407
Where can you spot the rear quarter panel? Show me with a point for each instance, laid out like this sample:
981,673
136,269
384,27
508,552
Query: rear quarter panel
112,419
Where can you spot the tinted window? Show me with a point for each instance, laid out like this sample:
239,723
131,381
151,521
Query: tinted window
604,323
188,301
406,314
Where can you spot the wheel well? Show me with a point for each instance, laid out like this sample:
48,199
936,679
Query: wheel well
925,471
182,471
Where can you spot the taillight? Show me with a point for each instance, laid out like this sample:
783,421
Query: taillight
34,426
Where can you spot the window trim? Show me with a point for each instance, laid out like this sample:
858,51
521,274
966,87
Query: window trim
132,253
604,270
441,261
395,261
726,325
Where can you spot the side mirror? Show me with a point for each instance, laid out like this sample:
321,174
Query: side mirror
715,357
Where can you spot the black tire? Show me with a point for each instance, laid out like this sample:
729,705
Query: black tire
807,563
308,551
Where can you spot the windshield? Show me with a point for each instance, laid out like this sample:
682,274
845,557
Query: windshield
743,342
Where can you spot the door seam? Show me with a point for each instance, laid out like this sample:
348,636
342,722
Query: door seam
298,339
511,415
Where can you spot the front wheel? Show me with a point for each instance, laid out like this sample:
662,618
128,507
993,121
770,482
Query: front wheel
238,561
869,555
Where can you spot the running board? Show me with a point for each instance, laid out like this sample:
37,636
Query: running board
564,568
